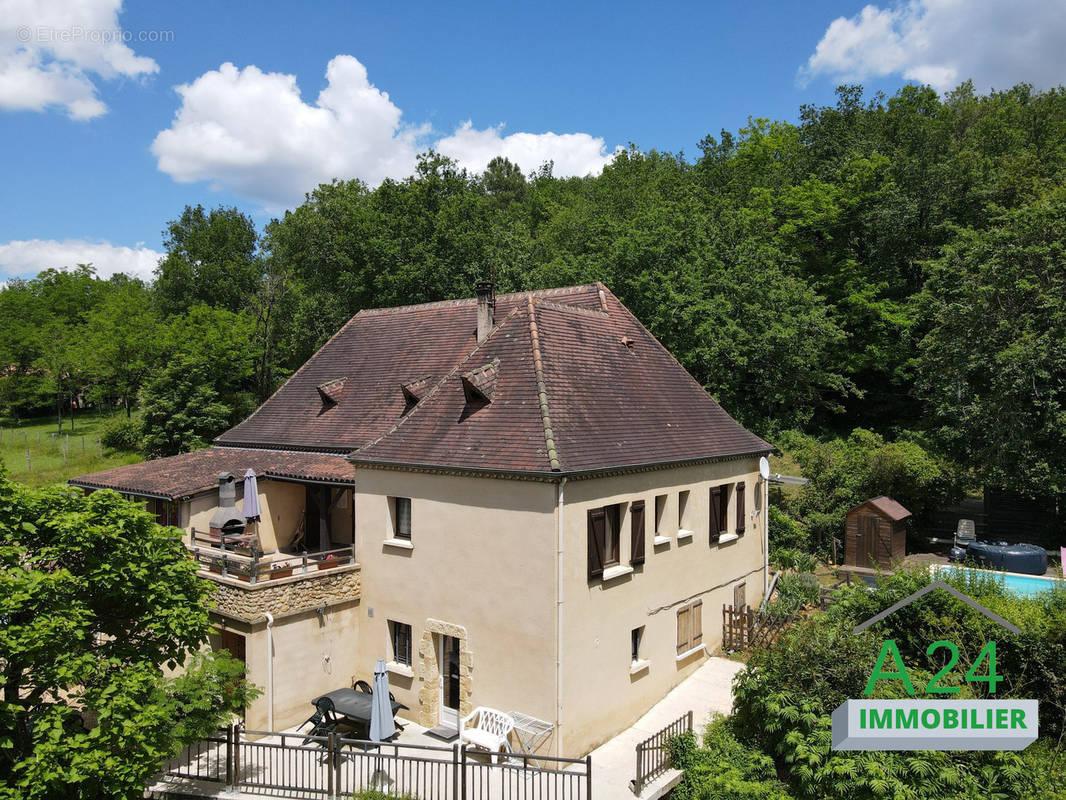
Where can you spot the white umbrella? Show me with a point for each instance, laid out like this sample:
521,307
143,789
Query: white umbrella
251,497
382,725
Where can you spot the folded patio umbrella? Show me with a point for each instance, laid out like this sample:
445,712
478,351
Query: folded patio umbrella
251,497
382,725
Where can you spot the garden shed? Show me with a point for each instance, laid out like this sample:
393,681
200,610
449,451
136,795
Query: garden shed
876,533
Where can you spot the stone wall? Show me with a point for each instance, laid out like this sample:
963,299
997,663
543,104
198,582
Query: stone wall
429,671
250,602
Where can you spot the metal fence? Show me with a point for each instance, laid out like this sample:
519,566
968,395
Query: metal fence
284,764
653,754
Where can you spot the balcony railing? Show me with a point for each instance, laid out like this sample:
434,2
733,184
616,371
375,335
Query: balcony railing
242,561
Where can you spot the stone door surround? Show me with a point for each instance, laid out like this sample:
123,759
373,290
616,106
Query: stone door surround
429,671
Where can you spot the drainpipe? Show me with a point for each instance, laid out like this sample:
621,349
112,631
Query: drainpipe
270,671
559,622
765,537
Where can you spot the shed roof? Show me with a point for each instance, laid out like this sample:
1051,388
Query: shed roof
886,506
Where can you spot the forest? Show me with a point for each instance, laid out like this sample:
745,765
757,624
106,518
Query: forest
878,285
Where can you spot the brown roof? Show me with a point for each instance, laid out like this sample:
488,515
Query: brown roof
887,506
578,388
191,473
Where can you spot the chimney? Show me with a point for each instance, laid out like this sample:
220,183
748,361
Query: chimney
486,305
227,519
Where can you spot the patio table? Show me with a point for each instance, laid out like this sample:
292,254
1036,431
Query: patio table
353,705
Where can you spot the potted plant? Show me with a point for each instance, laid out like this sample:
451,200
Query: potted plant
329,562
282,570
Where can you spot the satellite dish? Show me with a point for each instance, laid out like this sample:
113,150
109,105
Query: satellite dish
764,468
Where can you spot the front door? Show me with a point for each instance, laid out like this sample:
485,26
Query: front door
449,681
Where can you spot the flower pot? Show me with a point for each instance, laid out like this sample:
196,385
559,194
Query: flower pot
329,563
281,573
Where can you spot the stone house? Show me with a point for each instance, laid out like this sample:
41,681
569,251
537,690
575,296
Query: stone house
519,501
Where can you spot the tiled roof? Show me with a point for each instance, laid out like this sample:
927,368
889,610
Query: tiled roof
191,473
579,388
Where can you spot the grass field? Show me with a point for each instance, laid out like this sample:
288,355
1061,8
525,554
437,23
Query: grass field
53,458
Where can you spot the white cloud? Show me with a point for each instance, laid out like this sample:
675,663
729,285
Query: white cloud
572,153
27,257
48,50
944,42
250,132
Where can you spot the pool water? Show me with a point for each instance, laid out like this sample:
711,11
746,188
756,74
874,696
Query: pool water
1021,585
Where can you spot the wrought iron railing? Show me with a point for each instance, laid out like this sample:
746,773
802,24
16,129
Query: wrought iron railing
222,556
284,764
653,754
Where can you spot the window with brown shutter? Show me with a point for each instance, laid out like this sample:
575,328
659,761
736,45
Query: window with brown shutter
613,538
716,526
597,535
689,626
684,628
741,513
636,519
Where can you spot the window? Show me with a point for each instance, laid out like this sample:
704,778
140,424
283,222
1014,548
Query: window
611,553
636,532
401,642
660,513
719,511
689,627
682,511
166,512
402,517
741,513
635,637
603,539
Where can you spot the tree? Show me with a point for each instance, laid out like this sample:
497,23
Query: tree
122,345
211,258
96,601
205,386
993,365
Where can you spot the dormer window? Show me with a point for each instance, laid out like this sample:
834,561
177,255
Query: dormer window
330,392
415,390
479,385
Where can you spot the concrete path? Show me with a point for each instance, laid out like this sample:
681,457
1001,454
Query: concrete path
705,692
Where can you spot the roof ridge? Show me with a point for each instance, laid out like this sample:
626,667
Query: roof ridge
436,387
459,302
542,391
594,312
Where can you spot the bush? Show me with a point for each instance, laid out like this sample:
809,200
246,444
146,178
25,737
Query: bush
120,433
723,768
794,591
785,531
790,558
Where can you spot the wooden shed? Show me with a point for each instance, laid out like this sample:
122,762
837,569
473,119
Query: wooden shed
876,533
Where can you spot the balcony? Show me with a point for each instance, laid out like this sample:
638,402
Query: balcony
251,584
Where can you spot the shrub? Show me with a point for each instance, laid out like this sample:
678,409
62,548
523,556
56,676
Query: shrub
723,768
785,532
120,433
790,558
794,591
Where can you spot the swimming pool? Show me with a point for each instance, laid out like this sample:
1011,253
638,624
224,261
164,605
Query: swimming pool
1021,585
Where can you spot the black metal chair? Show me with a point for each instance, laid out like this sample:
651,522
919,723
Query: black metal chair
324,721
362,686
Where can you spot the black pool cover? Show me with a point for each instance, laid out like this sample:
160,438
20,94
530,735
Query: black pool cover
1029,559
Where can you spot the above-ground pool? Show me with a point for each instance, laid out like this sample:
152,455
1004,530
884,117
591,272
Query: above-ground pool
1021,585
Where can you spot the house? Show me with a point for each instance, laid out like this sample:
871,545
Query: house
520,501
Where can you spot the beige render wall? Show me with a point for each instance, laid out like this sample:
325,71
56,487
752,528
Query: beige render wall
600,695
281,505
312,655
482,566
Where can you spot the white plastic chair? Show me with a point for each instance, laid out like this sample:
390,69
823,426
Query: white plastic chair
489,732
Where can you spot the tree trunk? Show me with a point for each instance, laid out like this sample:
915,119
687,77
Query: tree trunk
59,410
126,403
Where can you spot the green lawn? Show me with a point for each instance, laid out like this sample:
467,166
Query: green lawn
46,464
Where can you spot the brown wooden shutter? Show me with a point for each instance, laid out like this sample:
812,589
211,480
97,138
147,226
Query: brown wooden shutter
696,639
741,514
716,513
636,511
597,535
684,628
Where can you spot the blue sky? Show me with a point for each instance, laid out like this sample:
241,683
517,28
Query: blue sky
101,148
